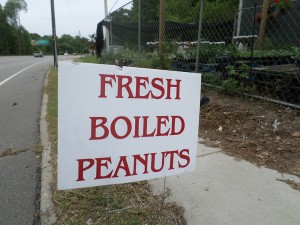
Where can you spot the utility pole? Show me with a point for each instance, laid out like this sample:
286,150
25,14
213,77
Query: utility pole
162,26
263,23
54,33
106,30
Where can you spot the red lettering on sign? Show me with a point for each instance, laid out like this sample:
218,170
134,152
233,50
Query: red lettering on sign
140,87
154,162
95,126
186,157
158,87
176,86
145,128
143,161
114,125
123,164
104,81
102,162
182,123
162,120
137,126
141,82
124,85
101,128
82,167
172,155
141,164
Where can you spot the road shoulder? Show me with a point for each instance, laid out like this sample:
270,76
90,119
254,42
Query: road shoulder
47,211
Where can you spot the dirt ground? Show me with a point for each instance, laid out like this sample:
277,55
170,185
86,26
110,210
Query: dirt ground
263,133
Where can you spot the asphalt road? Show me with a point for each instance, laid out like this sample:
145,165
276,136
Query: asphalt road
21,85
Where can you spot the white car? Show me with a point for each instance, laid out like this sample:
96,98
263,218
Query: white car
38,55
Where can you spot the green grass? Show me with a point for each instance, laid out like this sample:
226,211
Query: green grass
78,206
88,59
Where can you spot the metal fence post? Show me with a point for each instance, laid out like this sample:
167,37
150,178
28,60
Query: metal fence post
238,31
162,201
111,39
139,28
106,30
252,41
199,35
107,206
161,26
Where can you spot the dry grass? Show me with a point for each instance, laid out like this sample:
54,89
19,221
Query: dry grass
10,152
89,205
244,128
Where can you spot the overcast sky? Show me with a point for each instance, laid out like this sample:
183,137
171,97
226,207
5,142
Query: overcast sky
72,16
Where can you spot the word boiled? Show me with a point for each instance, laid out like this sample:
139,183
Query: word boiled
101,127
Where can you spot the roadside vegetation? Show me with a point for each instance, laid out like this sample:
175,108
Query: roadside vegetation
132,203
66,44
16,40
88,59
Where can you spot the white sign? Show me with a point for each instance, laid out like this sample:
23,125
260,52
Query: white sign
119,125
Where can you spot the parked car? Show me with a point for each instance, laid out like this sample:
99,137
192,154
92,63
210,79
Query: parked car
38,55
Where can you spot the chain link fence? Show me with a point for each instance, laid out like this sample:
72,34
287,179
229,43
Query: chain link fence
218,38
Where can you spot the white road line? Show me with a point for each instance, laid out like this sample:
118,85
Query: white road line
12,76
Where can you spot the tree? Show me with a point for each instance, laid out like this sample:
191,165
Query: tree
149,11
4,49
14,38
69,44
47,49
35,36
185,11
181,11
93,43
121,16
12,9
216,11
24,41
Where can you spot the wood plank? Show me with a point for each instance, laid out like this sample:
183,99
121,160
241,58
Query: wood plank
290,69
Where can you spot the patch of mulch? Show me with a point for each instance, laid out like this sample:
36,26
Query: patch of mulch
263,133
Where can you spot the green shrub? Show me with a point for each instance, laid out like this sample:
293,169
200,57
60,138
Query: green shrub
231,85
239,79
212,78
239,73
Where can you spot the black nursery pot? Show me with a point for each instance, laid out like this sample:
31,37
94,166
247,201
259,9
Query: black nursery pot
298,61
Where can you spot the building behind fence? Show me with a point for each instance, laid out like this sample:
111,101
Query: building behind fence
216,38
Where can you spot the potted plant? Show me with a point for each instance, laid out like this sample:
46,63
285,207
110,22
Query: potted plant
281,6
277,8
270,17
